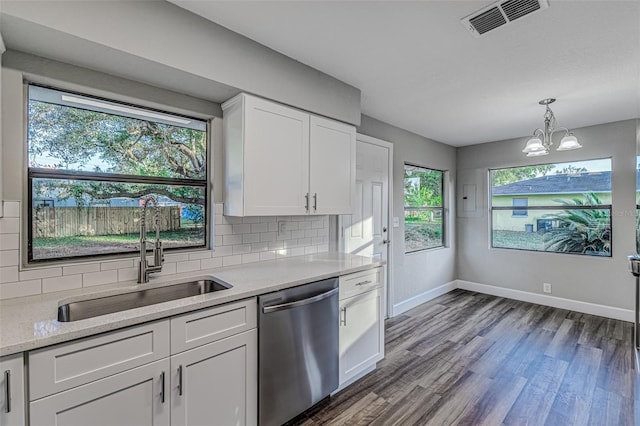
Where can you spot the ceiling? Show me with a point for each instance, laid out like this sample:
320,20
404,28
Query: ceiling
419,68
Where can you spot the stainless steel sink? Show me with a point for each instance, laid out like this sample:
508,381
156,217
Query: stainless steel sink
121,302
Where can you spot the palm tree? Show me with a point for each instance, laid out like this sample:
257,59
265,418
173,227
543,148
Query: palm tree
585,231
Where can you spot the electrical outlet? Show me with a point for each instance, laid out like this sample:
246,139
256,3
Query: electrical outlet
546,287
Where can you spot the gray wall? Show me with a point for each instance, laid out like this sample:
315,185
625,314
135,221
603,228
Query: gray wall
597,280
416,273
161,44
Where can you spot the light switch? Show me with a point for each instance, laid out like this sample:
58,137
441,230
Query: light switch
396,222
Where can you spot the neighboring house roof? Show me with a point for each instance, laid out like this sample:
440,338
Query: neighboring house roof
560,184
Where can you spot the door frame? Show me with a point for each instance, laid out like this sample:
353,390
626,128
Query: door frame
388,281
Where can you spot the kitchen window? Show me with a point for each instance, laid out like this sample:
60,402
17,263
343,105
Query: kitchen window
567,209
423,208
91,162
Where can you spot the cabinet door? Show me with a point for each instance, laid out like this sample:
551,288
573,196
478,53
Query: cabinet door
332,166
12,391
216,384
361,334
137,397
276,159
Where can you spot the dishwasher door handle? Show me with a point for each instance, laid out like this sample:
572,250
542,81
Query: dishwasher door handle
291,305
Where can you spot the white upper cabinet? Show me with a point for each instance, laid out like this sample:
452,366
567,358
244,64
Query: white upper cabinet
282,161
332,166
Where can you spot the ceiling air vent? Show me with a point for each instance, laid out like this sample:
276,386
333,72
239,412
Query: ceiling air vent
500,13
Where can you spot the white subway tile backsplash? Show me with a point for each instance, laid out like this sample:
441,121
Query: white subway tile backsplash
251,257
190,265
237,240
96,278
276,245
20,289
215,262
251,219
224,229
117,264
232,260
9,241
66,282
230,240
80,269
259,227
178,257
242,249
9,274
9,225
267,255
11,209
222,251
250,238
310,250
304,225
242,228
205,254
34,274
168,268
128,274
9,258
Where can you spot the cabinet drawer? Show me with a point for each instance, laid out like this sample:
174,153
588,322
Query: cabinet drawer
208,325
68,365
359,282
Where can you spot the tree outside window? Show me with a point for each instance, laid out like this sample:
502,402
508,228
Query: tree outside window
92,161
423,208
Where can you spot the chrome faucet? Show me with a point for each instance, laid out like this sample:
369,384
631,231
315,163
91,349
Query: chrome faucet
144,268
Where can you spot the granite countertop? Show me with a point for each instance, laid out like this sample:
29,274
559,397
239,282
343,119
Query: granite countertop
31,322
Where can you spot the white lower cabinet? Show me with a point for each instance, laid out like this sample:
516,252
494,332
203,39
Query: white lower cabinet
12,409
216,384
203,372
135,397
361,325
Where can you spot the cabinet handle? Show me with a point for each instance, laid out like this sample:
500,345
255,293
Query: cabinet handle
306,202
343,316
162,384
180,380
7,390
315,201
364,282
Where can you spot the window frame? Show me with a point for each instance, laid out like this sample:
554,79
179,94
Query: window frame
605,207
441,208
31,173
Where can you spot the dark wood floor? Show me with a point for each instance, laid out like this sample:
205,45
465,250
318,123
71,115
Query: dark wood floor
472,359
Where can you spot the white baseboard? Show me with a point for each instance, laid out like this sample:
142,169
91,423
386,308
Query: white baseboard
421,298
543,299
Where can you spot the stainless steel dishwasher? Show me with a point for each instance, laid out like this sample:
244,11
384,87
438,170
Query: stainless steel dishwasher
298,349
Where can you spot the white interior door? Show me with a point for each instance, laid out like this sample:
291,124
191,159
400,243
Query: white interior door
366,232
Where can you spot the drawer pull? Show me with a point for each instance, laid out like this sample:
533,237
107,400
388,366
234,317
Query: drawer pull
7,390
180,380
364,282
343,316
162,385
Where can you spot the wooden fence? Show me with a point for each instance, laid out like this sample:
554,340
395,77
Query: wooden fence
52,222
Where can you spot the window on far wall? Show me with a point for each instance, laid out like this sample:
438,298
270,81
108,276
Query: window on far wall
568,207
90,164
518,204
423,208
